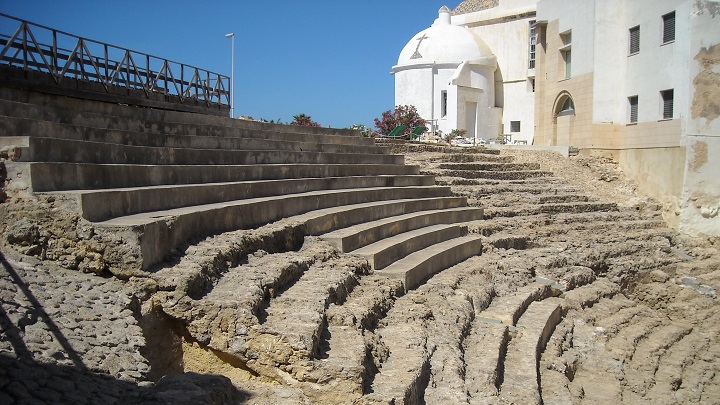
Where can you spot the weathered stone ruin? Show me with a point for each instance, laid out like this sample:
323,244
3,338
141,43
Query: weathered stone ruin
162,257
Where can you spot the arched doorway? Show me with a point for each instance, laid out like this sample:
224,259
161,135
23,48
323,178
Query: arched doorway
563,119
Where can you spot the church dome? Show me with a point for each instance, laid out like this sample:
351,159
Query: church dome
445,43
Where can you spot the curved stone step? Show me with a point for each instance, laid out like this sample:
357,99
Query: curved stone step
415,268
39,149
54,176
225,139
521,376
355,237
101,205
171,122
383,252
155,234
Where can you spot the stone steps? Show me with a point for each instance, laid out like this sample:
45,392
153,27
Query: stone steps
155,236
355,237
492,174
101,205
390,249
415,268
114,117
54,176
521,373
489,167
41,149
295,319
559,208
15,129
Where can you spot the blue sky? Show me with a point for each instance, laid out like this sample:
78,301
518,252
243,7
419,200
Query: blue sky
327,59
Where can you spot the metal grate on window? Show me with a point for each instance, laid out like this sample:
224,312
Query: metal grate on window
667,103
669,27
633,103
634,40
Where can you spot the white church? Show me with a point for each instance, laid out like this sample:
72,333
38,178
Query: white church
637,80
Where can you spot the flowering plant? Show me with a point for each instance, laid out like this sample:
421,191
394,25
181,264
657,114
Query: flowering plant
402,115
304,120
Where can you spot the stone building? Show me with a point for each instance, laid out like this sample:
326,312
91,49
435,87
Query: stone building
638,80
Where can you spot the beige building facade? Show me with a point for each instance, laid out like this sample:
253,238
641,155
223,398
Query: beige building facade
638,80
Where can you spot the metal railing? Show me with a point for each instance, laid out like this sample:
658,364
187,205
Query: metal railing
63,55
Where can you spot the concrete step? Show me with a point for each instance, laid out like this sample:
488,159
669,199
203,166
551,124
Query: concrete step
101,205
326,220
110,116
158,233
37,149
388,250
355,237
226,138
52,176
417,267
520,381
503,167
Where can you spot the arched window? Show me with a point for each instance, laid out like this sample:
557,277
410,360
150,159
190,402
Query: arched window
564,105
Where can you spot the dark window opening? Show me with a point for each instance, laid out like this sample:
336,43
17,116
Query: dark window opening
669,27
634,40
633,105
667,103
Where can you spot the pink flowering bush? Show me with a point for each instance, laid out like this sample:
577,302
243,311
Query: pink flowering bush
402,115
304,120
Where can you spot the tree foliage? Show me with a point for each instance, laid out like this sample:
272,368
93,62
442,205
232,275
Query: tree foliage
304,120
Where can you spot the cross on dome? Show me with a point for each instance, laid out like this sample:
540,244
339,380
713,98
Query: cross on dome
417,54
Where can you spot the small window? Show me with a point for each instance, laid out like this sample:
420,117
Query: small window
567,56
514,126
667,103
633,107
444,104
634,40
668,27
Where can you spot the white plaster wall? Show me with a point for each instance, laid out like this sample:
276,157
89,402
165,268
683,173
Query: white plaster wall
656,67
414,87
509,41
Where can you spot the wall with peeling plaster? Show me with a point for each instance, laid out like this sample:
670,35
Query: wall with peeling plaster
700,205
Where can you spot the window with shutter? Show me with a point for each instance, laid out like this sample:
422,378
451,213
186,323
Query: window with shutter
667,103
634,40
633,107
669,27
531,47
